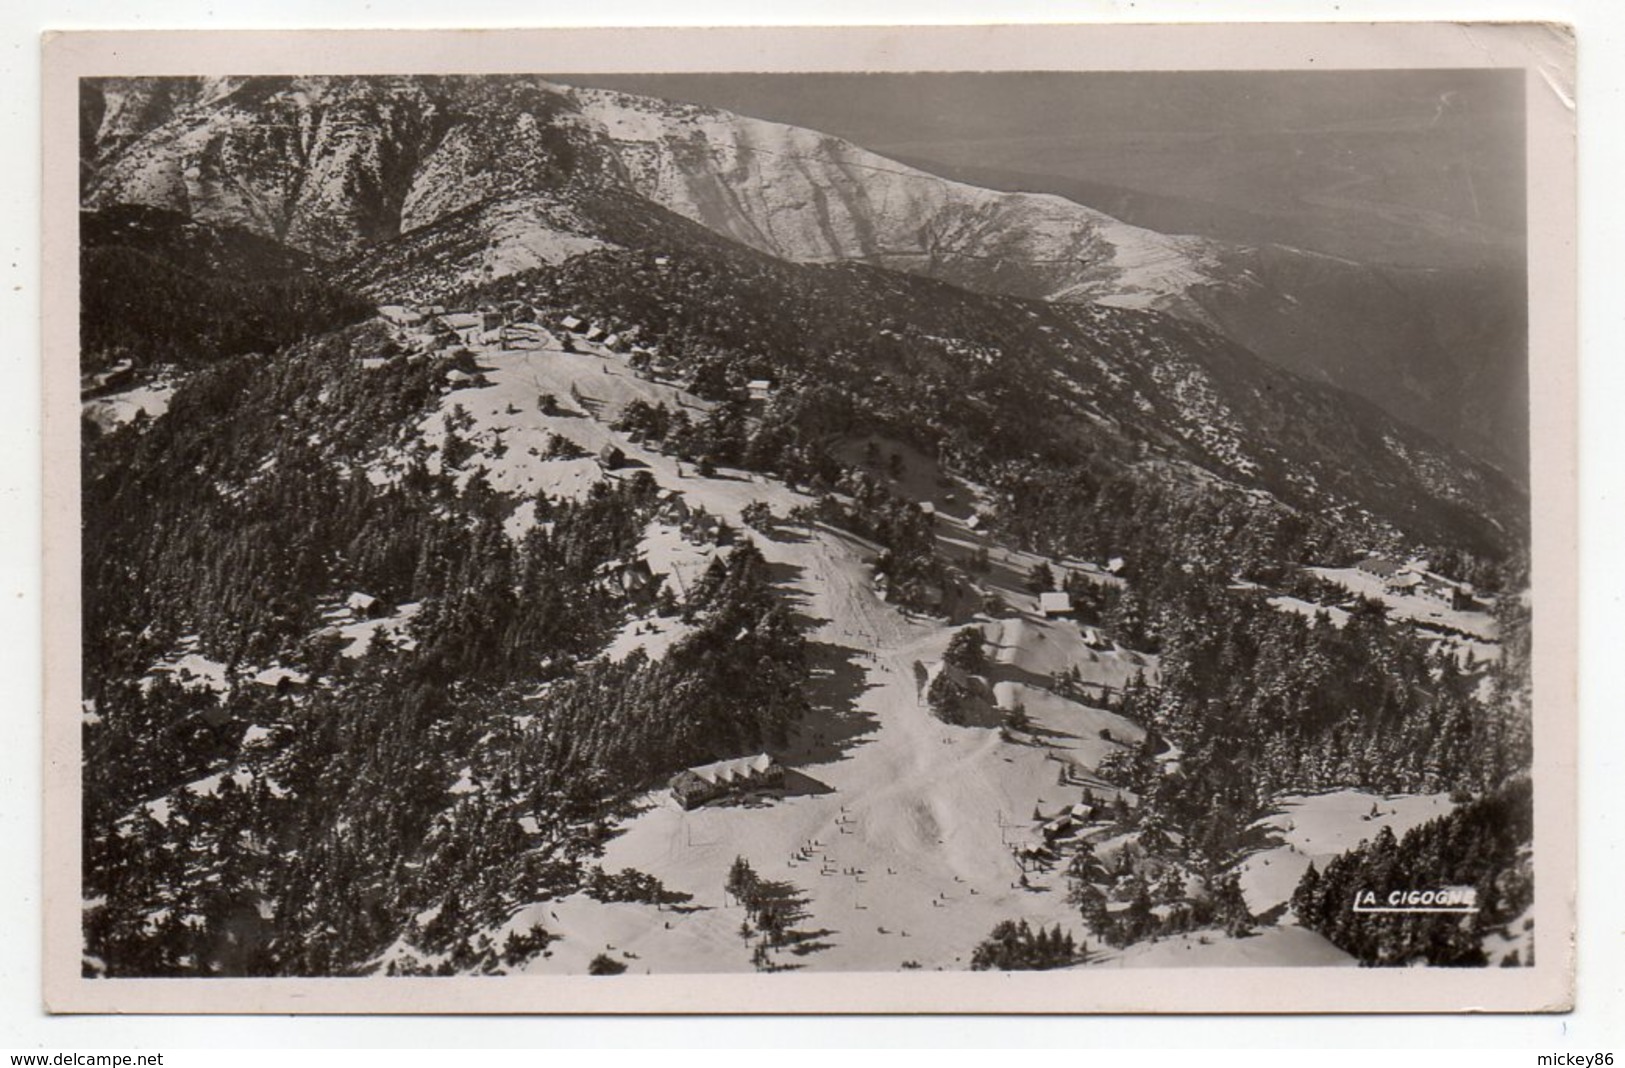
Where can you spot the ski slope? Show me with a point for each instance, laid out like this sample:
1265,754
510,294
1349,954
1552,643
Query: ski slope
896,833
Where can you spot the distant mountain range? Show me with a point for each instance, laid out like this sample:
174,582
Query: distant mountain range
416,187
334,166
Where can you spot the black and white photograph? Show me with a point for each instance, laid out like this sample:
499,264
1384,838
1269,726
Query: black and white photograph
646,528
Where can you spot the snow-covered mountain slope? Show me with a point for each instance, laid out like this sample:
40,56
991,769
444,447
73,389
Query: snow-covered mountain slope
809,197
1439,349
332,165
316,165
996,382
328,165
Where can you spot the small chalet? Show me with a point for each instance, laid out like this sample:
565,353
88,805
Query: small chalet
571,323
699,527
638,581
596,333
1446,593
363,605
703,528
760,389
116,376
1404,581
615,343
696,786
465,326
1055,603
673,507
1062,826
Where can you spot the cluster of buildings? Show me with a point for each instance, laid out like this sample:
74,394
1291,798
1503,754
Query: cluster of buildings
435,326
698,526
1410,578
516,322
610,339
492,323
646,362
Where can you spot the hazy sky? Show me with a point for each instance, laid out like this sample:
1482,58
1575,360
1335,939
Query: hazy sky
1410,166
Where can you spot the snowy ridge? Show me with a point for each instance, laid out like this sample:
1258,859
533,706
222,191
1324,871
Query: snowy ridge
810,197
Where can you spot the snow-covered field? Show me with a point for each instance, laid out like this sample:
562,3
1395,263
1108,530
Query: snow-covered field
1319,827
1271,947
896,833
512,436
359,634
653,636
1309,610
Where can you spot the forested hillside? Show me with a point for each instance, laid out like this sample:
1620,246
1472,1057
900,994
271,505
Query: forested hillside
1483,847
228,526
157,288
1149,407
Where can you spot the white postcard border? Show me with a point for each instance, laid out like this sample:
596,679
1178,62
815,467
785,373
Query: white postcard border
1544,51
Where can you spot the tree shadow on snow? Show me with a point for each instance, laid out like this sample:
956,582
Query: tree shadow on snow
802,943
783,577
1260,839
835,725
789,904
785,535
998,671
1039,736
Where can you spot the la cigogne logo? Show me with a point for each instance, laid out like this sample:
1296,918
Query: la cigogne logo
1440,899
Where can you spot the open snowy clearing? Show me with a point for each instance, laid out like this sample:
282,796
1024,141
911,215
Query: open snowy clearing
116,409
1319,827
1271,947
